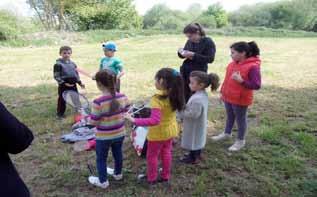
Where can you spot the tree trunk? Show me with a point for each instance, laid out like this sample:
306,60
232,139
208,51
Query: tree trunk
43,21
61,18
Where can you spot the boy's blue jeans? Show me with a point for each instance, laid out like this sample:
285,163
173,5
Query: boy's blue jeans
102,149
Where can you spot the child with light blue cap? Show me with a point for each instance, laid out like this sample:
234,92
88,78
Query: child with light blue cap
112,63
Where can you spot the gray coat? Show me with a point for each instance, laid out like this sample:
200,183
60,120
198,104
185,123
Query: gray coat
65,72
195,121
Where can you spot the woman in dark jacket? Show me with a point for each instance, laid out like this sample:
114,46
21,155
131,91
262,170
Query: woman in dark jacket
199,50
14,138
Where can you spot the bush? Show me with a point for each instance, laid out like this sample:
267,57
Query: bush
218,14
117,14
8,25
162,18
11,26
293,14
207,21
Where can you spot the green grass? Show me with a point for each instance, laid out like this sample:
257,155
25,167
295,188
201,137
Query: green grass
281,152
49,38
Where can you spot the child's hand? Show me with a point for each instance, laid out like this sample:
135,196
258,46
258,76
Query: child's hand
237,77
82,86
129,117
120,75
181,51
188,54
69,85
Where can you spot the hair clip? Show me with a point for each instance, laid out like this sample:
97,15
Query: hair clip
175,73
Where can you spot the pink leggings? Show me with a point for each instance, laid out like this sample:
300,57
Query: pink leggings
156,150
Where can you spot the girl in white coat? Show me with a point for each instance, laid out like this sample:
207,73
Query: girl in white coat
195,115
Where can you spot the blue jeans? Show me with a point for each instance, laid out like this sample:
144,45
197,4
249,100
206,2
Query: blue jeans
239,114
102,149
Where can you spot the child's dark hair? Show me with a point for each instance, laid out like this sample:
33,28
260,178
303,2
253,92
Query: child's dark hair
108,79
211,79
250,48
172,81
64,48
194,28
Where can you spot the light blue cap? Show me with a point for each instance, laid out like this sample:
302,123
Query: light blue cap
111,46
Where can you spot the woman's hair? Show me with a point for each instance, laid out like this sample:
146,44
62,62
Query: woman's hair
211,79
108,79
251,49
194,28
173,83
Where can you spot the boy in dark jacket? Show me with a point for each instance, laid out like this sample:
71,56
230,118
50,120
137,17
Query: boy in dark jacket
14,138
67,77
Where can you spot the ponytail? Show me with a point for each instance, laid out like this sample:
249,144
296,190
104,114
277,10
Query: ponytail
108,80
194,28
114,105
211,79
251,49
173,83
176,93
214,81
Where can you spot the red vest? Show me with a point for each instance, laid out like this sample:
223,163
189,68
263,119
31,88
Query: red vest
234,92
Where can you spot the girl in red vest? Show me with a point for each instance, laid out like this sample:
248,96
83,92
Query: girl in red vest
242,78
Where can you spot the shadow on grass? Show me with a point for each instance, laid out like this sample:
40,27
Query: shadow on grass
279,158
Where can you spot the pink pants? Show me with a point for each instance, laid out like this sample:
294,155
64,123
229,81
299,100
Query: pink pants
156,150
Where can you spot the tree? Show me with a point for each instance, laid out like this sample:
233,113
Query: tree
114,14
8,25
282,16
51,13
194,10
293,14
163,18
155,15
207,21
218,13
86,14
257,15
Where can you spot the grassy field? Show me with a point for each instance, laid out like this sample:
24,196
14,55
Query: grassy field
280,157
37,38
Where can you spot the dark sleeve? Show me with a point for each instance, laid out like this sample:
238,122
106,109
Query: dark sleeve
208,55
58,73
254,82
14,135
186,47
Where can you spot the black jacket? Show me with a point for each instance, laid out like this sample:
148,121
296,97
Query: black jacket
14,138
204,51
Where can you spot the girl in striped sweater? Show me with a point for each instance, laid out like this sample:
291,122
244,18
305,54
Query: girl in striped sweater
108,116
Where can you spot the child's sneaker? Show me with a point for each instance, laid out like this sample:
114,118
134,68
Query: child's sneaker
190,161
165,182
142,180
141,177
220,137
237,145
60,117
96,182
117,177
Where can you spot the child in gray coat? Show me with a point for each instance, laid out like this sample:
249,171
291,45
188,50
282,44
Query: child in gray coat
195,115
67,77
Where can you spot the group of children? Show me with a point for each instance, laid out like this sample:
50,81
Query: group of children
109,111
